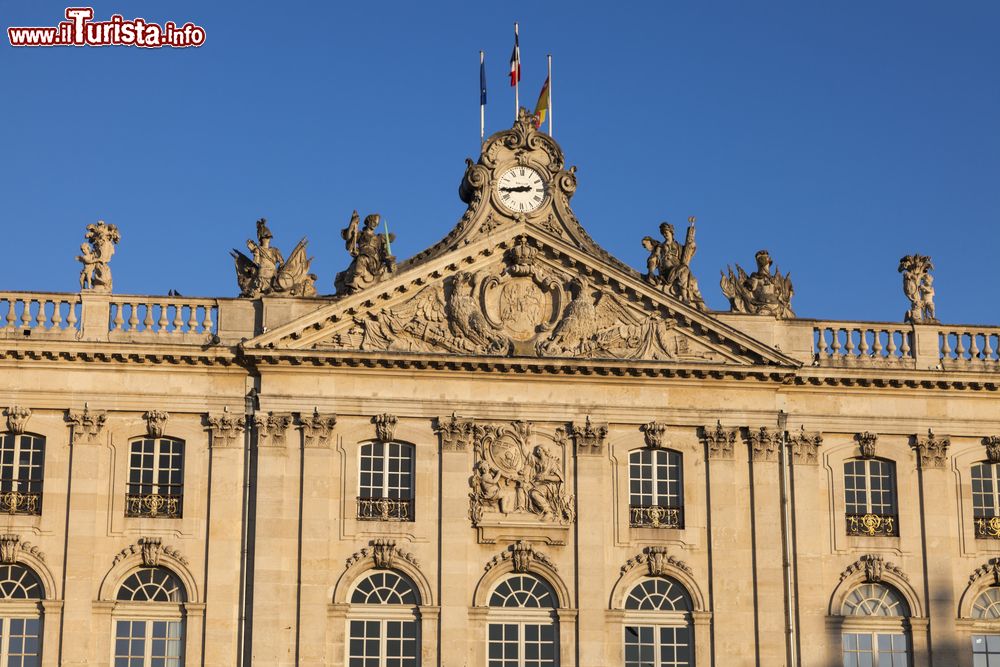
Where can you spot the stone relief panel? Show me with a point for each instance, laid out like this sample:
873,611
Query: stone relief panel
516,476
523,307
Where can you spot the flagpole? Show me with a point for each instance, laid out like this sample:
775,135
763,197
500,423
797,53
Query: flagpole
549,93
482,106
517,77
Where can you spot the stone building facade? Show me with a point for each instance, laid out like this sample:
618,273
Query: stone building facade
511,449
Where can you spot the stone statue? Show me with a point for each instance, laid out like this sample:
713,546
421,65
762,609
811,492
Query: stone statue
371,252
268,272
669,265
760,293
96,274
918,286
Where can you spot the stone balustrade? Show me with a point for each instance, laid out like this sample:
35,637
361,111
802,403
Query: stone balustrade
163,316
969,348
51,313
863,344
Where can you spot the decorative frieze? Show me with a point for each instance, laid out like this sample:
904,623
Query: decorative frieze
17,418
866,444
990,568
932,451
589,438
522,555
657,561
385,426
720,440
514,473
874,567
87,425
992,444
804,446
271,428
155,421
456,433
383,552
226,428
150,550
763,444
655,435
316,428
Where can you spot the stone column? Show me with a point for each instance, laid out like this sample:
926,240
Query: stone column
276,545
51,615
730,597
592,533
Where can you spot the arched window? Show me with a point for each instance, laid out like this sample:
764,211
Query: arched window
385,482
384,623
155,478
149,620
986,500
875,631
658,629
870,497
523,630
20,617
986,607
656,488
22,459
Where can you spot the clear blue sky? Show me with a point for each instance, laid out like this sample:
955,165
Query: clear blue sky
840,136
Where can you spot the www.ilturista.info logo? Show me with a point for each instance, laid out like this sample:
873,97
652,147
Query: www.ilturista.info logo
80,30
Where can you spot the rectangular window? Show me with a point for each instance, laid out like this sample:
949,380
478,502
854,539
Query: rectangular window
866,649
870,497
656,488
149,644
985,650
155,478
385,482
21,468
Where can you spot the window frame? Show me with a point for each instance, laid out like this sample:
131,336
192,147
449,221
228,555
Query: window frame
870,519
145,499
25,609
523,617
985,521
658,619
150,612
384,506
383,613
654,509
875,625
22,494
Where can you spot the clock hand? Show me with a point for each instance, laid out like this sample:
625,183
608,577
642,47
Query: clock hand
518,188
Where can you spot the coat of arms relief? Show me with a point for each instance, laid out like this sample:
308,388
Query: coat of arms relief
522,306
519,476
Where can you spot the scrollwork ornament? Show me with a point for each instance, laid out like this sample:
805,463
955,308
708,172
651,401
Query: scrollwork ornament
155,421
226,428
720,441
763,444
873,567
655,434
932,451
383,552
8,548
589,437
17,418
992,444
456,433
385,426
316,428
804,446
271,428
87,425
867,443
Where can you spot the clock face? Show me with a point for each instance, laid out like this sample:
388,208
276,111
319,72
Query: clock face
521,189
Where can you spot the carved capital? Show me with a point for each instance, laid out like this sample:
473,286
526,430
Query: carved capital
655,434
87,425
992,444
866,444
456,433
720,440
8,548
17,418
155,421
589,438
316,428
271,428
932,451
763,444
226,428
385,426
804,446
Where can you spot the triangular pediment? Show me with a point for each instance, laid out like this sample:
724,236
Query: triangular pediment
521,294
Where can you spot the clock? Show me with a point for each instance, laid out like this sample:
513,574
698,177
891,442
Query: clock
521,189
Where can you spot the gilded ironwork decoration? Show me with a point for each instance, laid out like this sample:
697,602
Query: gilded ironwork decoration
872,525
760,293
988,527
932,451
511,475
17,418
17,502
655,516
152,505
385,509
267,272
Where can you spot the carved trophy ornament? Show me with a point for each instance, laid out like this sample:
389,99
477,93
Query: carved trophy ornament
514,474
155,421
267,272
96,254
371,253
669,265
17,418
918,286
761,292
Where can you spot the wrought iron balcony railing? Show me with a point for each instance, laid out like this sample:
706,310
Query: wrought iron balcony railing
385,509
153,505
873,525
987,527
17,502
655,516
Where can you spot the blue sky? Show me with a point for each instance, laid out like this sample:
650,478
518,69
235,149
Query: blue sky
840,136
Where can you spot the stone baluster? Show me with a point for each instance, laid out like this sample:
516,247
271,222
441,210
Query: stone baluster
161,324
178,324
